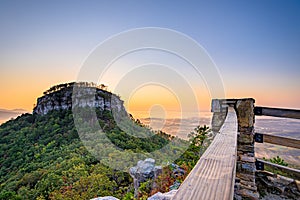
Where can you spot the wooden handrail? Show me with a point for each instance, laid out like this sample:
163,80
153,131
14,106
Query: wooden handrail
278,140
214,174
290,172
230,156
277,112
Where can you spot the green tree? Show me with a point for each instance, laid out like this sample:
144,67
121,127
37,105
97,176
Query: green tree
198,135
279,161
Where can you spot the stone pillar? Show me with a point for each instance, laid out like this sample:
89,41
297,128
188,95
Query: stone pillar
245,187
219,114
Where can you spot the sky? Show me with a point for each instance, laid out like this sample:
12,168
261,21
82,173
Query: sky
254,44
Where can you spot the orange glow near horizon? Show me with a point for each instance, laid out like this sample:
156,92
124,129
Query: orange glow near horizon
156,101
149,98
22,92
25,95
258,59
19,96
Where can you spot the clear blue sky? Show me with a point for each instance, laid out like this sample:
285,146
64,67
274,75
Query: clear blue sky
255,44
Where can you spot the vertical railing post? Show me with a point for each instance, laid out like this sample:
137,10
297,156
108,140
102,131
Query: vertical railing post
245,168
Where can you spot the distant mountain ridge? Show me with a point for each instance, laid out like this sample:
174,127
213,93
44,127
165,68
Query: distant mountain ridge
17,110
7,114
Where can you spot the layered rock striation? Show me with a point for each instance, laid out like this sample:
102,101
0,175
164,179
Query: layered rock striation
69,95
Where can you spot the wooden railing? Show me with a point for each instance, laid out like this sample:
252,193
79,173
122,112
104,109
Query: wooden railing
277,112
214,174
290,172
277,140
226,168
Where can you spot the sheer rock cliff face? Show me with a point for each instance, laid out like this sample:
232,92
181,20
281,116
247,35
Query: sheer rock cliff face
84,96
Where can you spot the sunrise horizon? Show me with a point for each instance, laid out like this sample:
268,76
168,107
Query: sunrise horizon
144,109
254,51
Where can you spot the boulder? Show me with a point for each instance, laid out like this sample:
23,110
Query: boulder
175,185
105,198
143,171
177,171
163,196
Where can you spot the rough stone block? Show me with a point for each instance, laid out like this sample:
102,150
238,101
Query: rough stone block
237,197
245,113
245,129
215,105
248,167
275,186
246,148
248,194
297,184
248,183
246,158
250,154
238,166
245,138
246,177
236,186
218,120
246,187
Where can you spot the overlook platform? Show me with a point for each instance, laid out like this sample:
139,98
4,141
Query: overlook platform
215,171
228,169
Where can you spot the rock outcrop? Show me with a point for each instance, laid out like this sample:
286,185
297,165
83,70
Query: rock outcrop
177,171
62,97
274,186
163,196
143,171
105,198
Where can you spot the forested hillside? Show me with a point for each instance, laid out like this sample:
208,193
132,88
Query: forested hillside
42,157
